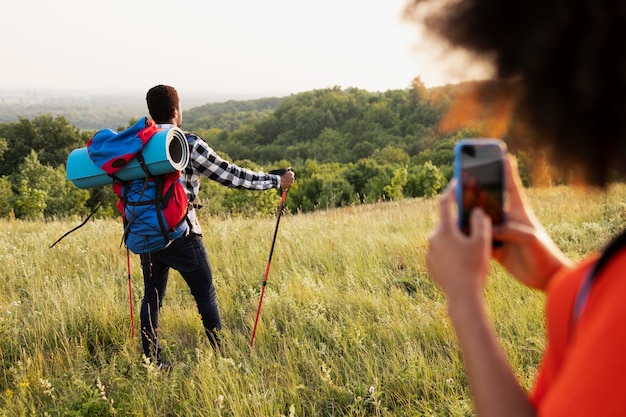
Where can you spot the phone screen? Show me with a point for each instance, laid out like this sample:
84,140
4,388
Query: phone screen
480,178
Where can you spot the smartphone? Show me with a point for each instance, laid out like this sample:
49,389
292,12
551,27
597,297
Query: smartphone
479,170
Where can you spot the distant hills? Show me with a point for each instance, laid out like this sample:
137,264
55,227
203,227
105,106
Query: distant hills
91,109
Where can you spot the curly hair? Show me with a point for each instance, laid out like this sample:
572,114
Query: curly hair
162,101
563,62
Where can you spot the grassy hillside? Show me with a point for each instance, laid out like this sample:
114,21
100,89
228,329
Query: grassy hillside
350,325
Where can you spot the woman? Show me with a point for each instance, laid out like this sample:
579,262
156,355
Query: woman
561,67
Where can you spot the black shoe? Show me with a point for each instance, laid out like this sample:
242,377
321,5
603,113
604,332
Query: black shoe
164,367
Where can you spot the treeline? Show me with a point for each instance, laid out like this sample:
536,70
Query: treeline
346,146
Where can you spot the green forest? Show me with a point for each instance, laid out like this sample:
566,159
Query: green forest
347,147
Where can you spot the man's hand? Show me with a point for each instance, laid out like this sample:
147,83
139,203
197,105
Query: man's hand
287,176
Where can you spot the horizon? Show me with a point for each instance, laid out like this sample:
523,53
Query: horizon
189,99
247,49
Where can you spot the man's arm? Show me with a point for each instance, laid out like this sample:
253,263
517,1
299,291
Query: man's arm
208,163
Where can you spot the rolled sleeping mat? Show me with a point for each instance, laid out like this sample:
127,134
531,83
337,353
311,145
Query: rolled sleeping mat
166,151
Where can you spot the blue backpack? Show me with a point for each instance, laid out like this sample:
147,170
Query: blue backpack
154,209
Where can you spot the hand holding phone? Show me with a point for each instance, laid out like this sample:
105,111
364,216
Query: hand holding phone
479,170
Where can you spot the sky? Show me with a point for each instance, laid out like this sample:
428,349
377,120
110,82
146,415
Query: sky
252,48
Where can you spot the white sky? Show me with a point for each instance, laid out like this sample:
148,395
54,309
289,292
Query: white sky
251,47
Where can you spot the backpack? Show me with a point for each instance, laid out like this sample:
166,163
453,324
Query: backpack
153,208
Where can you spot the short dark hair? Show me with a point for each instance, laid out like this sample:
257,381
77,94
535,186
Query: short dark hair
162,101
562,63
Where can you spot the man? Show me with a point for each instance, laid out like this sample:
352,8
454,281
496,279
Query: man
188,255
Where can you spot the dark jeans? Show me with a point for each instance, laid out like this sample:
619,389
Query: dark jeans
189,257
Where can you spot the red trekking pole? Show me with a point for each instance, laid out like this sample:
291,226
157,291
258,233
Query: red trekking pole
269,262
130,296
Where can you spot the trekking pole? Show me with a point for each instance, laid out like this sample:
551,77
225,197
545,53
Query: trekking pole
130,296
269,261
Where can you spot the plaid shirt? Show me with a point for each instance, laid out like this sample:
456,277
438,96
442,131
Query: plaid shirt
204,161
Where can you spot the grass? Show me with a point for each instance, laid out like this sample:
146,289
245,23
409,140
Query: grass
351,325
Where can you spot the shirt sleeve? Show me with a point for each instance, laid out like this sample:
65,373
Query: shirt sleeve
206,162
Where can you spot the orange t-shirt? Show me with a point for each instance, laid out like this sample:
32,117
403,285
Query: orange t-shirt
583,372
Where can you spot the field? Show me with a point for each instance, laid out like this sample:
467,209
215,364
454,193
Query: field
351,325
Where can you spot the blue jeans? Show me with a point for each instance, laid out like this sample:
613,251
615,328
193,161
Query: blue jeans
189,257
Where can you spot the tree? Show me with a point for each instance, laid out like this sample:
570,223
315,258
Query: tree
440,153
418,90
6,196
310,122
375,187
55,139
20,136
246,135
381,114
393,190
391,155
328,147
250,203
52,138
29,203
359,174
4,145
43,188
424,181
305,193
335,190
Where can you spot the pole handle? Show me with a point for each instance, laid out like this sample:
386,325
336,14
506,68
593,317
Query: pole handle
280,171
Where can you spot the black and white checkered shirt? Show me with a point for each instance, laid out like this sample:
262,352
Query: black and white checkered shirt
204,161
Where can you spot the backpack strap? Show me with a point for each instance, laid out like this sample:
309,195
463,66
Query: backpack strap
84,221
124,197
615,246
161,200
143,165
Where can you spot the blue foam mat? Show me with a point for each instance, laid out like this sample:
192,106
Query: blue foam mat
167,151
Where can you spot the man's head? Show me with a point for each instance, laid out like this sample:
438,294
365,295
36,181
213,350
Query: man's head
164,105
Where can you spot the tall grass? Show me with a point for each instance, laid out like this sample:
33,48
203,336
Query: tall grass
351,325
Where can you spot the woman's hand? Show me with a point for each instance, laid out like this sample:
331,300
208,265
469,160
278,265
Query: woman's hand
459,263
528,253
